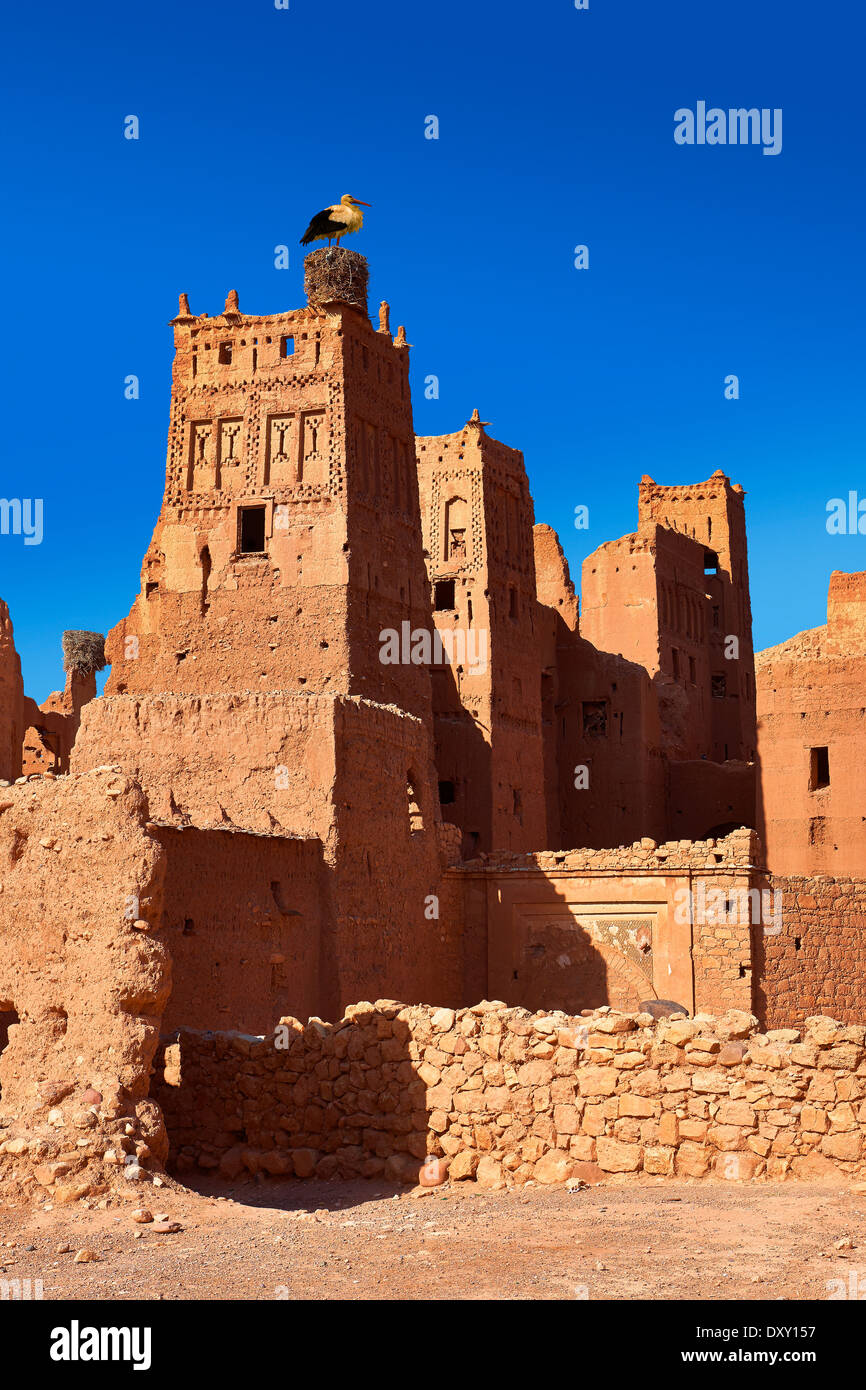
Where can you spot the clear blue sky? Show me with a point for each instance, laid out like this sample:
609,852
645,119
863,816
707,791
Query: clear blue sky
556,129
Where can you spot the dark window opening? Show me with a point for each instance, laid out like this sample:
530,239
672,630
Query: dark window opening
226,354
251,530
819,768
205,578
711,562
595,718
188,926
719,687
255,358
287,347
512,602
446,794
443,595
416,820
797,943
8,1018
151,587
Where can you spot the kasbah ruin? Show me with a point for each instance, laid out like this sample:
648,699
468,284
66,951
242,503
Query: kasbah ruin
298,895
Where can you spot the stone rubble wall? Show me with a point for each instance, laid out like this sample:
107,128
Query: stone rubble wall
507,1097
740,849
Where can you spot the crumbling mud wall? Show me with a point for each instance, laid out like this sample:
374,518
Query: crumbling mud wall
816,960
258,762
354,775
589,927
84,978
506,1097
243,922
811,714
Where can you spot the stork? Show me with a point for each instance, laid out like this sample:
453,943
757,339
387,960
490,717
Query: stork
336,221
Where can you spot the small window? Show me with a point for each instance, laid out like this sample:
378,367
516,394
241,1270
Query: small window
711,562
226,354
719,687
251,530
819,768
595,718
512,602
287,347
446,794
443,595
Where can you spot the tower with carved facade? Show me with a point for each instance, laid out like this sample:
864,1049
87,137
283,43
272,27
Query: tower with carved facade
247,688
478,519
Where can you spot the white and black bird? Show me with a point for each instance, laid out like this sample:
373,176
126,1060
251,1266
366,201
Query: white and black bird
336,221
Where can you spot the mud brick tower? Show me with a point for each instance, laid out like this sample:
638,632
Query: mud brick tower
673,598
713,515
289,538
478,521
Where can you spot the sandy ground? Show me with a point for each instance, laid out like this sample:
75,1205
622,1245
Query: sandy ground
361,1240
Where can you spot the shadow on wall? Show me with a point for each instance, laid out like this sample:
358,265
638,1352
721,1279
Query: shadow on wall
244,921
569,942
463,764
575,956
8,1018
244,1105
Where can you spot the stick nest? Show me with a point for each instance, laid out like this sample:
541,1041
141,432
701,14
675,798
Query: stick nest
336,274
84,652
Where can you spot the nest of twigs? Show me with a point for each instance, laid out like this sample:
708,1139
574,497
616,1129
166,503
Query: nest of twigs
83,651
334,273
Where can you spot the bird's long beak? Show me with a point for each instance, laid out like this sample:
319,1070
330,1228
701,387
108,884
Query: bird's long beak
361,201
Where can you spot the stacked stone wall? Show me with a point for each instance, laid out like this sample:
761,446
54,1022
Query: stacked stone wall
507,1097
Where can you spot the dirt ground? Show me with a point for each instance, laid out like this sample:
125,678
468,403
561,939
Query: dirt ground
360,1240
